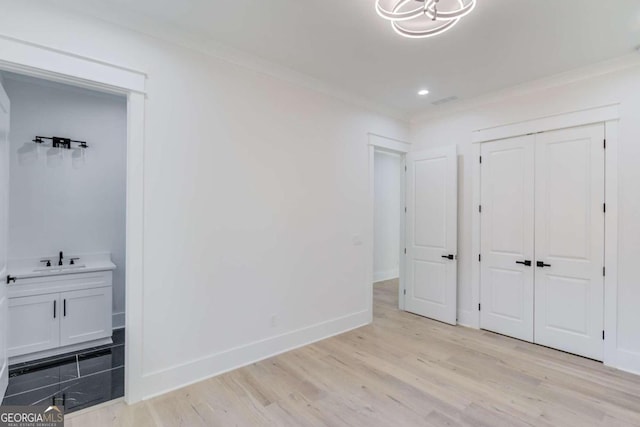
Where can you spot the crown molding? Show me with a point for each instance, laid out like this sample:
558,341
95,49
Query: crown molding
211,48
289,75
562,79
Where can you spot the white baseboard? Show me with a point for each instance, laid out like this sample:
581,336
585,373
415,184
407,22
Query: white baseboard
379,276
628,361
166,380
118,320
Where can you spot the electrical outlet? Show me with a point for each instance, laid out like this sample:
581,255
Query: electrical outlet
274,320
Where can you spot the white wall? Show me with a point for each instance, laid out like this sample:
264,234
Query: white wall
66,204
622,86
255,191
386,231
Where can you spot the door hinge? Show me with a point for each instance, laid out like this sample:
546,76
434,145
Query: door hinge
479,257
405,292
602,334
405,168
405,209
479,307
480,208
405,251
604,207
604,144
604,271
480,159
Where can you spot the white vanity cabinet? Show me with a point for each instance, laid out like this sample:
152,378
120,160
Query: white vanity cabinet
58,314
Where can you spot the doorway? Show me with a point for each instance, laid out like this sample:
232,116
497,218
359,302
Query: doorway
428,225
65,251
55,65
387,226
388,202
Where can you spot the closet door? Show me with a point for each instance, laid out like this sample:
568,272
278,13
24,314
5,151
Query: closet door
569,235
507,250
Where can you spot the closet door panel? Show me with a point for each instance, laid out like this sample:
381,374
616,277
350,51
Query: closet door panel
569,236
507,219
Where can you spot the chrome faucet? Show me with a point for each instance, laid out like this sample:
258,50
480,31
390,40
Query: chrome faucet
60,259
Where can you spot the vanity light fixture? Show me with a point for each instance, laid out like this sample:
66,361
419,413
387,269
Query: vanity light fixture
57,142
425,19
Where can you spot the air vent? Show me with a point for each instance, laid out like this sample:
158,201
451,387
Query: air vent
444,100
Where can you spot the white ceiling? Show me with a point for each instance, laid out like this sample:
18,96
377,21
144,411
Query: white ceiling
345,44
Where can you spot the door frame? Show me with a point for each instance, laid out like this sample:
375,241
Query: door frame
5,102
608,115
65,67
388,145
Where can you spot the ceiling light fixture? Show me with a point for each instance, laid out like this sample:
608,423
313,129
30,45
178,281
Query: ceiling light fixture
430,18
423,92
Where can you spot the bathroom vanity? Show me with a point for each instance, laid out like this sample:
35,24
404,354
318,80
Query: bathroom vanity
58,309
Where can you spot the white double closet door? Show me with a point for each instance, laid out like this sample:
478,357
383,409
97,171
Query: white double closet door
542,239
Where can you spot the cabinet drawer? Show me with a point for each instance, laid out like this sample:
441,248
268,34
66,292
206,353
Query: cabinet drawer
55,284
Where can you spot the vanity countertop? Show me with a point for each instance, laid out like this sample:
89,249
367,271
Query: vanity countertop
32,267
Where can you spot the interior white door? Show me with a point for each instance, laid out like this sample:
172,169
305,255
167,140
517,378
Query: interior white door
507,245
569,233
4,233
431,234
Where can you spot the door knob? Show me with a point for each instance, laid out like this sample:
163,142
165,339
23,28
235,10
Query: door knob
525,262
542,264
448,256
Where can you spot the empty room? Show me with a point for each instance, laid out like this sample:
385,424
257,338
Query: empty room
319,213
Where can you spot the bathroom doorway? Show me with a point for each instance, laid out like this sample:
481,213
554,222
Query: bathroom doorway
65,244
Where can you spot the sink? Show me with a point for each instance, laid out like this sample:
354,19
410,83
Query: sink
59,268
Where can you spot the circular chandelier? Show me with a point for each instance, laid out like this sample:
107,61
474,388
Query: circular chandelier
427,19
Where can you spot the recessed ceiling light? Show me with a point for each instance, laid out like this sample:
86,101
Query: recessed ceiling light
423,92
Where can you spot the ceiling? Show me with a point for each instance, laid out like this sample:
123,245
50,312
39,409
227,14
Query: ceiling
345,44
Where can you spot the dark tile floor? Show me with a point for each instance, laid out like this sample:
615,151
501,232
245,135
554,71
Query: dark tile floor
75,380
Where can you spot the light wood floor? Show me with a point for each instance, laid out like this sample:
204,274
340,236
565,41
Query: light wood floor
402,370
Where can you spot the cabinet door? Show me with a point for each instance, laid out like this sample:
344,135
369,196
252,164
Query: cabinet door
507,235
86,315
33,324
